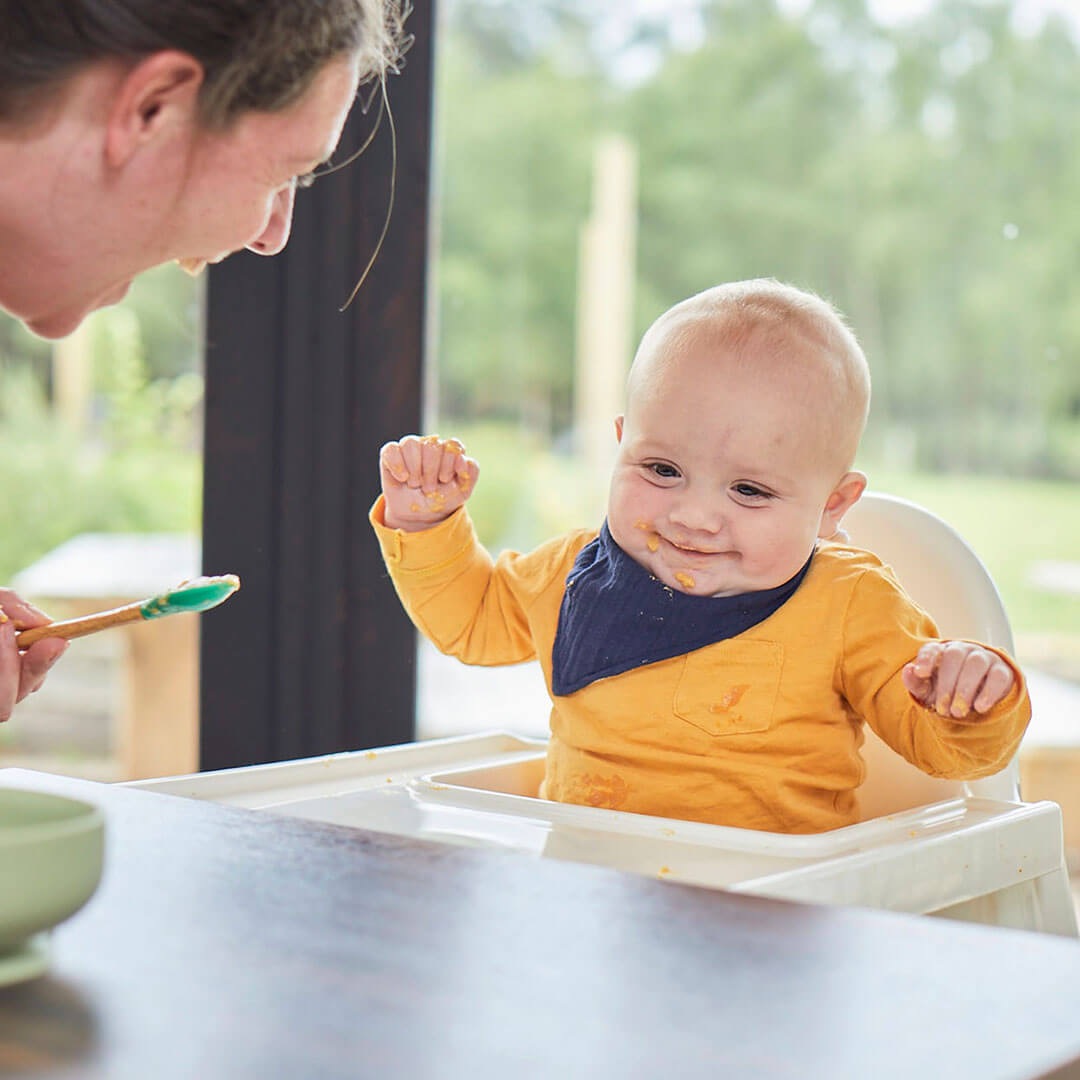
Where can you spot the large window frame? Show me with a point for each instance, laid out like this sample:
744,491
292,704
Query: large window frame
314,654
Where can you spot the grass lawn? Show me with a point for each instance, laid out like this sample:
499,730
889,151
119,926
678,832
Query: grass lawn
1012,524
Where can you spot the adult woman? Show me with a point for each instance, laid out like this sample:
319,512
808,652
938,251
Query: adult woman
133,132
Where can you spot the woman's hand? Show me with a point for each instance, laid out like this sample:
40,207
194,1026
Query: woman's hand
424,480
954,677
22,673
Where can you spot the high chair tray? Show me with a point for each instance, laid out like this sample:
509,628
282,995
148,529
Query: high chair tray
480,790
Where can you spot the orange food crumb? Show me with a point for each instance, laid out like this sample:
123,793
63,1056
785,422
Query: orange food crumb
663,870
371,755
685,580
455,446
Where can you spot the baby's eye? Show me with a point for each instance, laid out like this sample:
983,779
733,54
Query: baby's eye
663,470
750,491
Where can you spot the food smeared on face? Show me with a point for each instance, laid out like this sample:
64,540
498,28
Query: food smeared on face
652,541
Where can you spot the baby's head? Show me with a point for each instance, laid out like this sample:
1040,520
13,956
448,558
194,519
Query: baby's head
745,406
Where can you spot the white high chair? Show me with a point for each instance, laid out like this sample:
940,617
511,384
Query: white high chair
925,846
970,851
942,574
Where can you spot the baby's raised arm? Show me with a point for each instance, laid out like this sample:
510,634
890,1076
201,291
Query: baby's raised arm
424,480
956,677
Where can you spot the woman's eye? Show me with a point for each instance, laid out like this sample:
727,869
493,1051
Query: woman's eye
664,470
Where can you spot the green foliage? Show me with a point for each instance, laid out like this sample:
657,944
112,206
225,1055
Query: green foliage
1012,524
137,466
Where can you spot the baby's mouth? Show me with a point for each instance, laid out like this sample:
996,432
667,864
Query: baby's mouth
687,550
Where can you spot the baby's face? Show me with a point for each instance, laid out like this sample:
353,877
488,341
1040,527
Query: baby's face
720,482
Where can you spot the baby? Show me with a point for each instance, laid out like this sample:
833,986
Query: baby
713,650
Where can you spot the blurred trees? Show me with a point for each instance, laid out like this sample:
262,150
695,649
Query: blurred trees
924,177
132,462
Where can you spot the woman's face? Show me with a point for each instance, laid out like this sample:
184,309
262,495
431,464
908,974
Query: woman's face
197,197
244,181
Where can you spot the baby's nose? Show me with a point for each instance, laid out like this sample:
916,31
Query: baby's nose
701,514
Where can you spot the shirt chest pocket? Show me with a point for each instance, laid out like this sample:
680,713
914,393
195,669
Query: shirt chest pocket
730,690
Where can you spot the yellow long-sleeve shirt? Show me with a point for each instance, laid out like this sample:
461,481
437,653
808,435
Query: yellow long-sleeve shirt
760,731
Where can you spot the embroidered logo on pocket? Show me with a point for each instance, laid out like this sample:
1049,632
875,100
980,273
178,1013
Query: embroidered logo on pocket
730,688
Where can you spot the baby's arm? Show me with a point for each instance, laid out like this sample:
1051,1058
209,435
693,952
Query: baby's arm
424,480
954,677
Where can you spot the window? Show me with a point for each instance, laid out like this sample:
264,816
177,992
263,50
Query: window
916,163
101,436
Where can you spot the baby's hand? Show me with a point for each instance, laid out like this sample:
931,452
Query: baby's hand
424,480
954,677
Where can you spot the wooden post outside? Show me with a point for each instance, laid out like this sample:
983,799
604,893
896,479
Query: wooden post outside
605,303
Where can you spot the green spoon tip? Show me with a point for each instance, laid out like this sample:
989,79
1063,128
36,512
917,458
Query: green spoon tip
199,594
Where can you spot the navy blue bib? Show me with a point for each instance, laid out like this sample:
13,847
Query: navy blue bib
616,616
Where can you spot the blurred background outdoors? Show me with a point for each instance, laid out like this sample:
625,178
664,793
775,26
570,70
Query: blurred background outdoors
917,163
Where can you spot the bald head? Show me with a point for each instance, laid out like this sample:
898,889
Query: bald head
786,339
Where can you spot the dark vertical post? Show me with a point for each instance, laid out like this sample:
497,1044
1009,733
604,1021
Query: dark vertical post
314,655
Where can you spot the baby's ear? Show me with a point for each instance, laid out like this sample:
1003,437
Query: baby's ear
843,497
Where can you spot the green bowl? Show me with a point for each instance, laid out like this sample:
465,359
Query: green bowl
51,855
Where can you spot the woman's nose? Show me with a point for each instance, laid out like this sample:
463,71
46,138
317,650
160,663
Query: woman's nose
276,234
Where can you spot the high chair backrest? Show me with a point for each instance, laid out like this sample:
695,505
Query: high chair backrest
941,572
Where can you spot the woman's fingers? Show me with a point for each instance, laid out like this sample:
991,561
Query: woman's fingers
35,664
9,667
21,611
22,673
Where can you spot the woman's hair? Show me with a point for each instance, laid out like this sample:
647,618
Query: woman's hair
257,54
